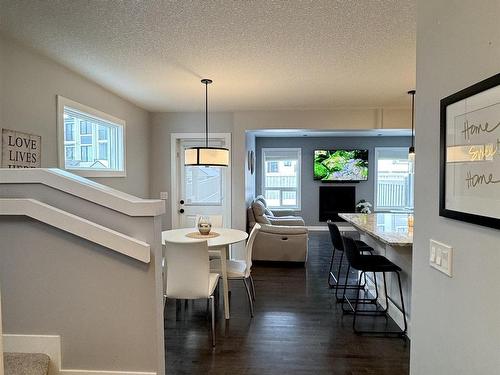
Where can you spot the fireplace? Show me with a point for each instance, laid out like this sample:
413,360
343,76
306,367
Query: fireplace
334,200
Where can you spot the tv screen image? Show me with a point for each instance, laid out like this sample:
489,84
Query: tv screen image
341,165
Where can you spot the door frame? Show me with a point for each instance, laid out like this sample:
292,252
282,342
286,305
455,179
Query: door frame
174,173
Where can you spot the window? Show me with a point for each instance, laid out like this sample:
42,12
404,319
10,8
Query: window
281,177
393,179
92,142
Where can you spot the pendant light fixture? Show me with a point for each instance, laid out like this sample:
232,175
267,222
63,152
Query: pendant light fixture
206,156
411,150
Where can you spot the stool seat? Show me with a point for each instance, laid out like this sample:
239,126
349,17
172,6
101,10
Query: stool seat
361,244
374,263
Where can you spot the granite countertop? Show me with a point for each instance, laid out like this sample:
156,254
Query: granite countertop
390,228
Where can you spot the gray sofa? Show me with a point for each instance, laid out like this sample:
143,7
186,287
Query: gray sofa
282,237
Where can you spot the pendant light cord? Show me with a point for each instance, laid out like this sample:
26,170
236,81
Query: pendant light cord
412,119
412,93
206,114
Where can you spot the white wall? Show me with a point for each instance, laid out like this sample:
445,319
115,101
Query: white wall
162,126
29,83
456,327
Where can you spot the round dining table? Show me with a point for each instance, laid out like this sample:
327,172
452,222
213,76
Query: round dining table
218,246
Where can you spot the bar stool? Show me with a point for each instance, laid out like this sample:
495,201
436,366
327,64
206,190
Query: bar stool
375,264
338,245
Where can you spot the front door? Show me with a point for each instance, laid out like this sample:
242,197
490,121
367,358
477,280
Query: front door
200,190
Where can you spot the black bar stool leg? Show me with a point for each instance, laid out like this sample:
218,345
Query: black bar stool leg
356,304
402,305
330,275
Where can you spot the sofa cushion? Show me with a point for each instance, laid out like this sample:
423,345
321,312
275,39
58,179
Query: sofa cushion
291,220
259,211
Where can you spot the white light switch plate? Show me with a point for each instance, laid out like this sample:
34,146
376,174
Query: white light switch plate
441,257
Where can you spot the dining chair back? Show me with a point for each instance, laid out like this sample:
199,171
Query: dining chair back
249,248
217,221
187,270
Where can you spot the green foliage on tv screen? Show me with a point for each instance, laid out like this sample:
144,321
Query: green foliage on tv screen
341,165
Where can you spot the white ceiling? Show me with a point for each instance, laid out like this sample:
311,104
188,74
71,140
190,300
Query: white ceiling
314,54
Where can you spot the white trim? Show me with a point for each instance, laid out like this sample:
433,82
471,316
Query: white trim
85,189
175,173
299,175
101,372
317,228
77,226
51,346
61,103
324,228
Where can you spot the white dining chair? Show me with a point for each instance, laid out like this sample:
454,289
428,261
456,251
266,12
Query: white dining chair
241,269
187,274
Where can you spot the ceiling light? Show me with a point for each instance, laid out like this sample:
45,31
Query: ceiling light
206,156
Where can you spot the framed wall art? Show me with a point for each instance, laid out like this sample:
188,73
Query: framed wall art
470,154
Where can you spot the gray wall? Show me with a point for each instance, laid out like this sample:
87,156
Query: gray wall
107,307
310,188
456,329
29,83
162,127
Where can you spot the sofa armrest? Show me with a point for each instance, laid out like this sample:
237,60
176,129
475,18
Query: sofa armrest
289,221
283,229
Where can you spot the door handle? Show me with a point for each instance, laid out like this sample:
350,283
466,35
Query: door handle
181,211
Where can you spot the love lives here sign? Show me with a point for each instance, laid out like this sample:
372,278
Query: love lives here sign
21,150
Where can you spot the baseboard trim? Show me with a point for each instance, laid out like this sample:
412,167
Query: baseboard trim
324,228
51,345
97,372
317,228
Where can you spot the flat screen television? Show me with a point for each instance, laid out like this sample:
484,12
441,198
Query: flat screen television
341,165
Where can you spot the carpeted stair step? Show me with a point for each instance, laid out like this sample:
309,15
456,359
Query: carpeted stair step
26,363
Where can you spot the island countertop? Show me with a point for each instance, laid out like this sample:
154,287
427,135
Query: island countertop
390,228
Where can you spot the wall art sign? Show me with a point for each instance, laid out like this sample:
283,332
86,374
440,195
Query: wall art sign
470,154
21,150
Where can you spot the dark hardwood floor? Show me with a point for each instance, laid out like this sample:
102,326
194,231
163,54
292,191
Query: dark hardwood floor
298,328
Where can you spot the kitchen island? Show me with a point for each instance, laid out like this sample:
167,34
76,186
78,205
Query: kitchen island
391,236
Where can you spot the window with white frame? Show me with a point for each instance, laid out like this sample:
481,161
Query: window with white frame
91,143
393,179
281,177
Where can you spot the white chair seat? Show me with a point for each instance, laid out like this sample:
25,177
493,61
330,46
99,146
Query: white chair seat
212,282
235,268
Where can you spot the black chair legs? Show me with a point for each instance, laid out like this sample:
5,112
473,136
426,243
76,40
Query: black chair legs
356,312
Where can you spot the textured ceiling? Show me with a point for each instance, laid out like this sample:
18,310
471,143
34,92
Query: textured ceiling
261,54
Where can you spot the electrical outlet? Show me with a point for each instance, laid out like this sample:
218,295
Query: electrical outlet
164,195
440,257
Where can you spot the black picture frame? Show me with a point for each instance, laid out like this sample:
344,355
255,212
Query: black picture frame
467,93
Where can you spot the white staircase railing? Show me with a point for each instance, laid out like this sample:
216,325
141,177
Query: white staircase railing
77,226
84,188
